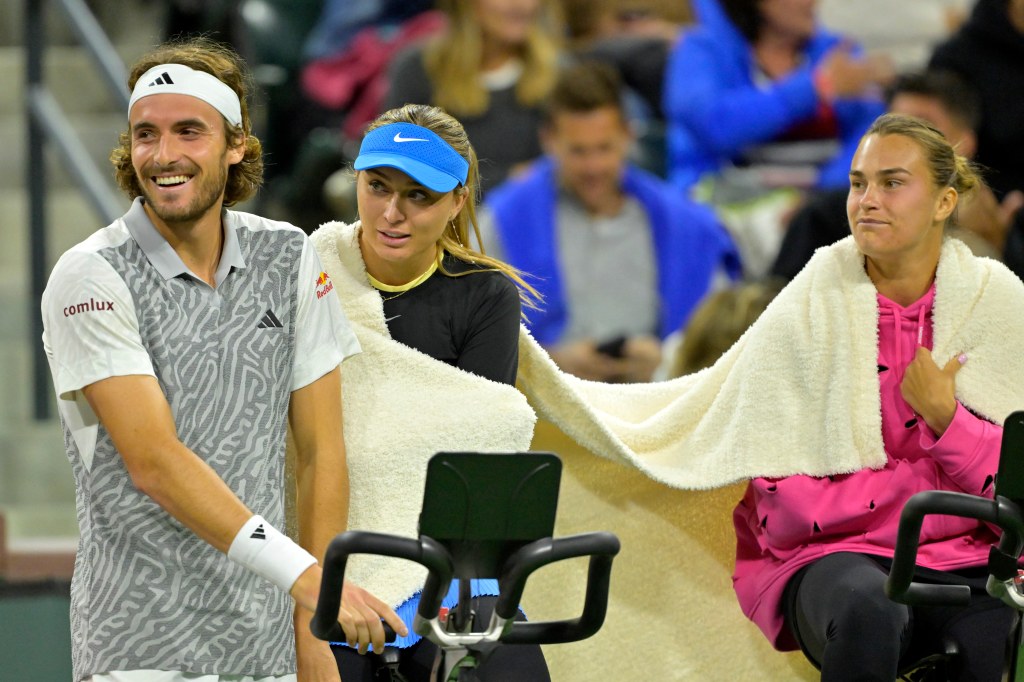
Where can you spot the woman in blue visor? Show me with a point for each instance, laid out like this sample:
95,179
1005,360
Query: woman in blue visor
438,322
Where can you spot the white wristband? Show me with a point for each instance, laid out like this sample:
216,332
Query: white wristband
267,552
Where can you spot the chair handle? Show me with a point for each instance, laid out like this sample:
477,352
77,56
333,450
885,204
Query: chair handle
424,551
1001,512
601,547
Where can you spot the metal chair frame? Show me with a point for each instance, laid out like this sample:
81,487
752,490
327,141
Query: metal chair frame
484,516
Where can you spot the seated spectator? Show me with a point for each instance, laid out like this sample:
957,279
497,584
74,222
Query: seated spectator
620,258
755,77
352,77
760,105
950,104
988,51
492,68
344,82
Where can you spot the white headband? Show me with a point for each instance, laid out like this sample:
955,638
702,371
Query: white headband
178,79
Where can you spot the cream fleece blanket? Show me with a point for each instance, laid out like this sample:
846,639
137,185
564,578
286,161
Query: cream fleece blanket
798,393
400,407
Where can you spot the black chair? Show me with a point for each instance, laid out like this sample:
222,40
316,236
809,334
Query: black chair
1005,511
484,516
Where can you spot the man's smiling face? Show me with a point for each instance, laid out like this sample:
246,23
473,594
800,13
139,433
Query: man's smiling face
181,156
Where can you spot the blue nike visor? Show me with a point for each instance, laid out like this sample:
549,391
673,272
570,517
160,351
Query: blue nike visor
418,152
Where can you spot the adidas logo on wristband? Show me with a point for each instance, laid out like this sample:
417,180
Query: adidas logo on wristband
266,551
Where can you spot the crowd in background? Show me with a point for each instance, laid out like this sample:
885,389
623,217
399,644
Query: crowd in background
742,114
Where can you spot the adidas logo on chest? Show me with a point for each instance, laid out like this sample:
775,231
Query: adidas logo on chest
269,321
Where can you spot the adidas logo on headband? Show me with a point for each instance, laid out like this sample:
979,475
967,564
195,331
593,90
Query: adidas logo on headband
178,79
164,79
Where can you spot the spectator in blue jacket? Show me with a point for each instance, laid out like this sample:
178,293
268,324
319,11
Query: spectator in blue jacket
619,256
757,73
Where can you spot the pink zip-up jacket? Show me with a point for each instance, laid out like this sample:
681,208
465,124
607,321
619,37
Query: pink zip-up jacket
784,524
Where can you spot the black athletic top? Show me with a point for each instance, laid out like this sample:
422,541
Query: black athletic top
470,322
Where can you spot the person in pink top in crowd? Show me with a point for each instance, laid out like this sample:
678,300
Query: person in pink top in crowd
813,553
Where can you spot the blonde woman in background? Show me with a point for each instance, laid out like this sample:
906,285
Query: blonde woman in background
492,68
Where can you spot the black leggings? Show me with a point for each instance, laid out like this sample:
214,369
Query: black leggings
838,612
507,663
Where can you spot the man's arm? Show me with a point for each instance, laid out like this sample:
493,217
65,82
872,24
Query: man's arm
135,412
322,498
322,504
320,468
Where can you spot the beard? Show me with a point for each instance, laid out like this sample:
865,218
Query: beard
207,192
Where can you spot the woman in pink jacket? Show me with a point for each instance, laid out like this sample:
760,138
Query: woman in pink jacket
813,553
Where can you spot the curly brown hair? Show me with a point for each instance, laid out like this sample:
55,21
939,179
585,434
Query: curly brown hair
201,54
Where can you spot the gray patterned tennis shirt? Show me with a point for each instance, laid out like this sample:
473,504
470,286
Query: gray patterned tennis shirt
147,593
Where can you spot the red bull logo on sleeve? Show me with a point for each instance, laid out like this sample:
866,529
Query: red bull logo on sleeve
324,285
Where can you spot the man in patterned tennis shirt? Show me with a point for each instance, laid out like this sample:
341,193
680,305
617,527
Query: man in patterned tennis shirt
183,339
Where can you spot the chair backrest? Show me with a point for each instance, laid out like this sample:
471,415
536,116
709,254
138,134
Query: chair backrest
482,508
1010,478
483,516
